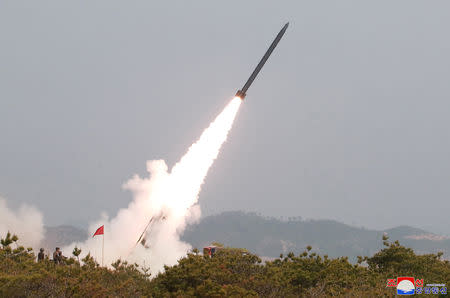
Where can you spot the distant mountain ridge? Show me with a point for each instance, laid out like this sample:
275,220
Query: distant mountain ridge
269,237
61,236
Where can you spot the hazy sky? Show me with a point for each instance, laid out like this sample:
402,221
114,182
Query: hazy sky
349,119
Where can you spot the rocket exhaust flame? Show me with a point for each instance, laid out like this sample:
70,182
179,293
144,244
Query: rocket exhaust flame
171,195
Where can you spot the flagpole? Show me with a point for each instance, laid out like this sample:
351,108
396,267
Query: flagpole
103,246
101,231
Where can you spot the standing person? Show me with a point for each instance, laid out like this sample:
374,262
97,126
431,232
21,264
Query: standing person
41,255
56,256
61,257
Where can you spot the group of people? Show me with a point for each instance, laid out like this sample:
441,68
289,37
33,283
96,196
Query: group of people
58,257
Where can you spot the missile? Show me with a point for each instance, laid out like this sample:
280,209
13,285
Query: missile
242,92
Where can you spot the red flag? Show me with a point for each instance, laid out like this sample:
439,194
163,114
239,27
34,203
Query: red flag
100,231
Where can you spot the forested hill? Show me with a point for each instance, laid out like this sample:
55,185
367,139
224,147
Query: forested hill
270,236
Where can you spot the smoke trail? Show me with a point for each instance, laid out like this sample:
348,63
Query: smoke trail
169,197
26,223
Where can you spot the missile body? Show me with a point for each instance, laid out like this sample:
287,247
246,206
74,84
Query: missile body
242,93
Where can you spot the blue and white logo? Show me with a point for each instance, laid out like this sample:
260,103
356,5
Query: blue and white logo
405,287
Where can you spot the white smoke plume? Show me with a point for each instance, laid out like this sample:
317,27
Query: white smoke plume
169,197
26,222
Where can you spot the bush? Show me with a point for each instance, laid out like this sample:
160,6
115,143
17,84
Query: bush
230,272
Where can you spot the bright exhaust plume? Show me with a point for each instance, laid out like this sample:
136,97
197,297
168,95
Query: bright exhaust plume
172,195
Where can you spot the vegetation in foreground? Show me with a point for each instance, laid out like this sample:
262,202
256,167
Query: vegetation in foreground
231,272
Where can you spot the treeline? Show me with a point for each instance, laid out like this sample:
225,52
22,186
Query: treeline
230,272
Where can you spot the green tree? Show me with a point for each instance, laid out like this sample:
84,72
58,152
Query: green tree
76,252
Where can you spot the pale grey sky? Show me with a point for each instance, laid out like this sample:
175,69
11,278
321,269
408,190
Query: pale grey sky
348,120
